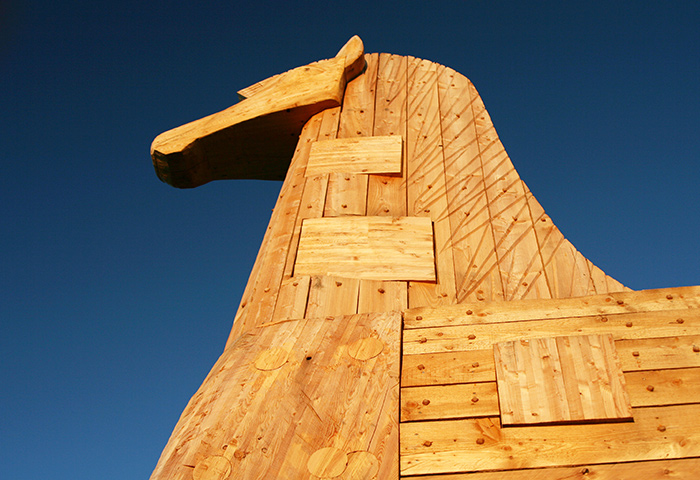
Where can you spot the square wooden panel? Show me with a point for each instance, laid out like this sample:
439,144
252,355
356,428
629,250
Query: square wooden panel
560,379
372,248
356,155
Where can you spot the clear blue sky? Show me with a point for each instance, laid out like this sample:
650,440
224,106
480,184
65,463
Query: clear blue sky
117,292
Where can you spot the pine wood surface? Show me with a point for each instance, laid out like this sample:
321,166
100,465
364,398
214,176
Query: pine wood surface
680,469
356,155
481,444
285,391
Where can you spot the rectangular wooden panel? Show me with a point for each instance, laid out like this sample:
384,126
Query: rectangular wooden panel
356,155
371,248
562,379
451,446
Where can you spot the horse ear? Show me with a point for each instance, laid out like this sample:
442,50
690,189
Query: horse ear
354,53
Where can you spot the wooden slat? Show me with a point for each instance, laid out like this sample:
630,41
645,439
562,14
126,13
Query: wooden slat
440,402
680,469
363,155
606,304
426,180
519,258
476,337
452,446
283,392
347,192
386,194
478,365
476,264
260,295
332,296
563,379
294,292
372,248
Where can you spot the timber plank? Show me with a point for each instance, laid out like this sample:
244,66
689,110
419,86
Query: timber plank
481,336
372,248
425,179
476,264
604,304
680,469
452,446
478,365
330,296
260,296
365,155
386,194
469,400
347,192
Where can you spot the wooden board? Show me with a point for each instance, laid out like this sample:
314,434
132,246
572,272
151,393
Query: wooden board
478,366
680,469
372,248
362,155
291,397
605,304
560,379
481,336
452,446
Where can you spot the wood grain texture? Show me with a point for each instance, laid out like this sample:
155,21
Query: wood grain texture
452,446
680,469
362,155
481,336
607,304
372,248
426,180
270,422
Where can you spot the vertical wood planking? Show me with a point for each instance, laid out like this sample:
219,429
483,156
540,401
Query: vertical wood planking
426,180
386,194
258,303
566,269
294,292
476,264
518,253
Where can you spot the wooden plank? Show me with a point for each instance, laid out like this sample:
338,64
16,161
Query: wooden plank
332,296
425,178
557,380
452,446
685,468
476,264
481,336
294,292
470,400
386,194
606,304
478,365
363,155
448,368
260,296
282,393
372,248
347,192
519,258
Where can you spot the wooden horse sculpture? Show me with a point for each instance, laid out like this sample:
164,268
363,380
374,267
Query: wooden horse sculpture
401,221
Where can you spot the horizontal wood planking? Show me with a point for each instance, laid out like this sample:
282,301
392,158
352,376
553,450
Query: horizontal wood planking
371,248
680,469
356,155
440,402
606,304
452,446
478,365
483,336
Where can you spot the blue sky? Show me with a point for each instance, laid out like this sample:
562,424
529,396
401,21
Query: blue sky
117,292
